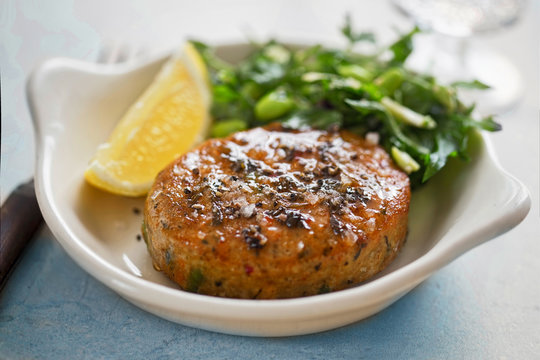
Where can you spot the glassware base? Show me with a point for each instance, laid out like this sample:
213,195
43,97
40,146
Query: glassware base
452,59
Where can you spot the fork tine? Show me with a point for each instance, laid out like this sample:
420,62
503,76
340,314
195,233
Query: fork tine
131,52
106,52
117,51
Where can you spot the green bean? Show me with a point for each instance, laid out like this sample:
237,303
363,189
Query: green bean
355,71
390,80
446,96
273,105
407,115
251,90
225,127
404,160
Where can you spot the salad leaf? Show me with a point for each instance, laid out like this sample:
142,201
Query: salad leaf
420,121
355,37
403,47
475,84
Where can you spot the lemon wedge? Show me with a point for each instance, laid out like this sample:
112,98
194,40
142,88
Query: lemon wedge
168,119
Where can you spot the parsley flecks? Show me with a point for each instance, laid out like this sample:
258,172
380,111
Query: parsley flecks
195,279
321,88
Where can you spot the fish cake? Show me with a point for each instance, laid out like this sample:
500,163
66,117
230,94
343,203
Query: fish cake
277,213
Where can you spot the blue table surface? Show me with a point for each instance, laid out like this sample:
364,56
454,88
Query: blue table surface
484,305
52,309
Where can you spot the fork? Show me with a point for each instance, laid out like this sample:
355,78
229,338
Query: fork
20,215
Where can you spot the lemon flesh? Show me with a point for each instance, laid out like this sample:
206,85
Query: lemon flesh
168,119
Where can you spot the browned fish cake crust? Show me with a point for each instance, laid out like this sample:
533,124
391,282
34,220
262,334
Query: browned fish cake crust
276,213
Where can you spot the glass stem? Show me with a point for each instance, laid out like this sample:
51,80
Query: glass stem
462,49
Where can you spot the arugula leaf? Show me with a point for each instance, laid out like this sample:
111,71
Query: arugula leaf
444,149
398,138
403,47
355,37
475,84
486,123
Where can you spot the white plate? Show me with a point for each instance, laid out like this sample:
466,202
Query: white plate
75,106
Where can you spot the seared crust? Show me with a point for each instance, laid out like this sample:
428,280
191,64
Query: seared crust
275,213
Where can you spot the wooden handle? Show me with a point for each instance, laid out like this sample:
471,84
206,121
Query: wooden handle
19,221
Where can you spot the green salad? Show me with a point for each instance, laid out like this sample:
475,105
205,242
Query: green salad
419,121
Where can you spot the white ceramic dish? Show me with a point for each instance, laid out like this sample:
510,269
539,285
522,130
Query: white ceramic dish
75,106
